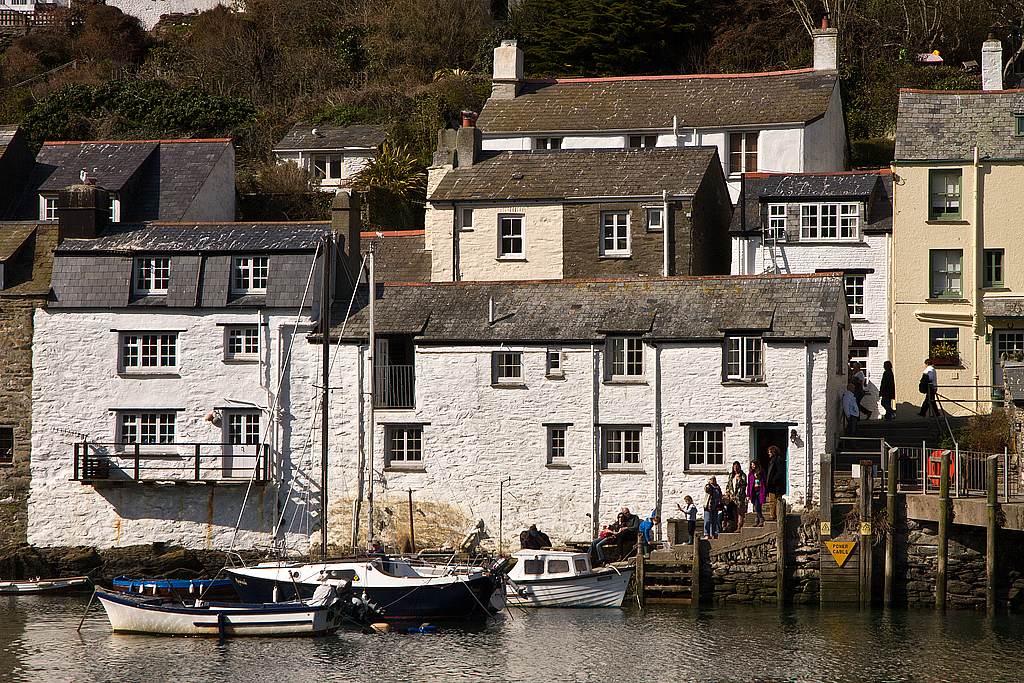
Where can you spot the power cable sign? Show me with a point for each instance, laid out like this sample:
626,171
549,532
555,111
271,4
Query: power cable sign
840,550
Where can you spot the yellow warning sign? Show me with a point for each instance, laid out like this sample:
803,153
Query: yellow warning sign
840,550
826,528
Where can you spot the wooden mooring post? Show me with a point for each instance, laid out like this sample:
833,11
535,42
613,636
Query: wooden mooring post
891,482
695,572
991,465
780,550
943,548
865,532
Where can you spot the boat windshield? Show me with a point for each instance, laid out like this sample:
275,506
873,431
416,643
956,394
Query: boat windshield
581,565
558,566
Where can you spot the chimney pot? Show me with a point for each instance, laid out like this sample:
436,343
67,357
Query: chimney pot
825,22
469,119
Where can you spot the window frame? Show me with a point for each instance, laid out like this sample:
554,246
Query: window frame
410,448
503,362
509,221
620,354
245,334
161,347
740,156
934,274
945,195
990,269
641,141
625,436
159,273
465,218
776,222
659,224
747,358
248,430
706,430
130,425
944,335
8,445
620,232
854,299
830,221
247,274
551,142
553,363
557,452
48,207
321,163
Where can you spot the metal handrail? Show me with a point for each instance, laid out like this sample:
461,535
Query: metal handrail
207,462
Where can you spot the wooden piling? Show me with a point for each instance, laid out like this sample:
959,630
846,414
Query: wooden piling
695,572
780,550
890,538
991,466
639,576
943,548
865,532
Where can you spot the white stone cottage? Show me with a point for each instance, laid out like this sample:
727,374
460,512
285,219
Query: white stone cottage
784,121
163,394
817,222
333,154
557,402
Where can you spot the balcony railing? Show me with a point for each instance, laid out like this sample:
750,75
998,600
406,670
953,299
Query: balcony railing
394,386
174,463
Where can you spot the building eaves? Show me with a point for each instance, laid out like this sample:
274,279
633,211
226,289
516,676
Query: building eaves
327,138
203,237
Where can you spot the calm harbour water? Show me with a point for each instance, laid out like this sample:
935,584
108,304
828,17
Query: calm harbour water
38,642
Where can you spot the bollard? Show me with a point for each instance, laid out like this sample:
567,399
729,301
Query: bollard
890,539
865,532
780,550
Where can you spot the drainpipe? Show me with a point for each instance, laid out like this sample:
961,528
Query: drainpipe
675,129
455,243
595,453
664,229
808,451
976,244
658,435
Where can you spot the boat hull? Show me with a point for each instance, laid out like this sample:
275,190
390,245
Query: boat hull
130,615
602,588
47,587
207,589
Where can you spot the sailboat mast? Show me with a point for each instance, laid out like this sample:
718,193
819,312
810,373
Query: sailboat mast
373,386
325,325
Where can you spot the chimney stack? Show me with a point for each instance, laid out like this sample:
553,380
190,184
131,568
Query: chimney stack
508,71
992,63
826,47
82,211
345,222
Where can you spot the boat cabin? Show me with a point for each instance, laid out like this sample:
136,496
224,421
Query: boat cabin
544,564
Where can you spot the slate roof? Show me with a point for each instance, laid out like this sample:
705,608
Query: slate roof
399,256
1003,307
758,189
650,102
27,250
573,174
203,237
949,125
301,137
786,307
1013,377
160,178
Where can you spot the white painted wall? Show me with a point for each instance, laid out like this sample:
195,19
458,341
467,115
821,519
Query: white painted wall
825,139
75,386
149,11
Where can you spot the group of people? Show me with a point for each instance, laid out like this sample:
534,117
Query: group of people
726,512
856,389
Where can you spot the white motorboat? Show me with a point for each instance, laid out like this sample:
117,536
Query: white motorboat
554,578
316,616
45,586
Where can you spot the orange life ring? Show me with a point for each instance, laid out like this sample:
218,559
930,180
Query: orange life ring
935,467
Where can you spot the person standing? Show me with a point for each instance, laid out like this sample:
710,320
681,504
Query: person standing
887,391
690,515
736,488
712,503
859,387
928,386
775,476
851,410
756,490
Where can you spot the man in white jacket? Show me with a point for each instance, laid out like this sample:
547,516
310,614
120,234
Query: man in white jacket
851,410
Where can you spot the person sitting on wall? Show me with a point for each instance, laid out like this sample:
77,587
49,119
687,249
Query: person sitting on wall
606,536
626,536
532,539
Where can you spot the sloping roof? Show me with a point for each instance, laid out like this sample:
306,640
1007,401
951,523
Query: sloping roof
792,307
301,137
202,237
569,174
1003,307
760,188
31,245
649,103
163,176
399,256
949,125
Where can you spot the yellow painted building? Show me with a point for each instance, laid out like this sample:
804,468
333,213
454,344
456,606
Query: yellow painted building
958,243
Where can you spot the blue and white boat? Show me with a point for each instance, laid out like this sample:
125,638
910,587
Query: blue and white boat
554,578
209,589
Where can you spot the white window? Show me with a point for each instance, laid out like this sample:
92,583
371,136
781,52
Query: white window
548,143
403,445
860,354
152,275
556,445
743,152
510,236
641,141
149,352
327,167
705,447
47,208
620,448
615,233
241,342
250,275
465,219
554,363
854,294
625,357
243,428
776,222
743,359
849,220
829,221
115,209
507,367
146,427
654,220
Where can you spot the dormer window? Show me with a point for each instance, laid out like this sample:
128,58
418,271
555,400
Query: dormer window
250,275
547,143
152,275
829,221
47,207
641,141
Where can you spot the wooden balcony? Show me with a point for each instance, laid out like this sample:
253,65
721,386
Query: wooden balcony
171,463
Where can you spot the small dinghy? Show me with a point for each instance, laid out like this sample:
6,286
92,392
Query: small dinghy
45,586
322,614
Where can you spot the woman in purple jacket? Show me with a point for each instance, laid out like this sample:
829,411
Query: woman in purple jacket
757,490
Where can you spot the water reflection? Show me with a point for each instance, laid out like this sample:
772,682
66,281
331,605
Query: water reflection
660,643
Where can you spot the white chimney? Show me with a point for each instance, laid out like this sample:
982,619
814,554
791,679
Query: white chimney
826,47
508,71
992,63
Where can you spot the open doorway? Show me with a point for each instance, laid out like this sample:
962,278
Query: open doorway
772,436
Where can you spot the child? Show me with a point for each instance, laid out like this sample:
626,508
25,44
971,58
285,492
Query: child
690,515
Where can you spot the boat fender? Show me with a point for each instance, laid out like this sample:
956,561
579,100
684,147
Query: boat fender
381,627
425,628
